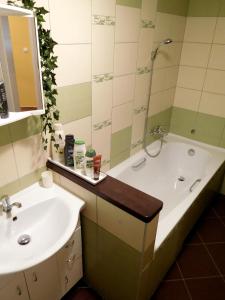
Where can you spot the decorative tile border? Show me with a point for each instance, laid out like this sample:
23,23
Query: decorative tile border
143,70
103,20
138,143
140,109
147,24
101,125
103,77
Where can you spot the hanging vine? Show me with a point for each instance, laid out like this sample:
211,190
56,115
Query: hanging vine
48,65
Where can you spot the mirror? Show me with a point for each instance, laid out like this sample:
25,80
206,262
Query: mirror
20,75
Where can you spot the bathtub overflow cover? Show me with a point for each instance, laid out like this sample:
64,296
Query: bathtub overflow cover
181,178
191,152
24,239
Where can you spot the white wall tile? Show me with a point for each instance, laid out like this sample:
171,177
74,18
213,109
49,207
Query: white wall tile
190,77
101,142
127,24
220,31
80,129
148,10
213,104
164,78
163,27
29,155
145,47
101,101
186,98
123,89
217,57
168,55
177,28
161,101
104,7
8,165
141,90
102,49
214,81
200,29
120,122
71,21
195,54
125,58
138,127
74,64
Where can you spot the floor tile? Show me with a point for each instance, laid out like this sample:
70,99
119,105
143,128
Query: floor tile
209,213
211,230
219,205
206,289
81,294
192,238
194,261
172,290
173,273
218,253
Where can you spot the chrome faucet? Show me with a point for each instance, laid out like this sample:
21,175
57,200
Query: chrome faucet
158,131
6,206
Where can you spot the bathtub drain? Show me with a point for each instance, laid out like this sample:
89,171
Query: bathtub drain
181,178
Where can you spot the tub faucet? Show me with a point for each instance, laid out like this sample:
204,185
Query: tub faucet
158,131
6,206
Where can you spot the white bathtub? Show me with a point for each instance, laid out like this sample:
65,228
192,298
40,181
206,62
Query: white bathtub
161,176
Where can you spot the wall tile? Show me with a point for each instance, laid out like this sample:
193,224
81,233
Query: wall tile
190,77
80,129
102,49
213,104
220,31
101,142
186,98
90,199
148,10
168,55
130,3
203,8
67,21
127,24
200,30
164,79
195,54
215,81
177,28
141,90
163,27
121,224
74,64
121,141
176,7
118,158
5,137
74,102
29,155
104,7
145,47
123,89
119,122
102,101
161,101
138,127
125,58
8,165
217,59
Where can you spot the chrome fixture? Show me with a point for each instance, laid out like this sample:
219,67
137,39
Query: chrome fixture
194,184
191,152
6,206
158,131
153,57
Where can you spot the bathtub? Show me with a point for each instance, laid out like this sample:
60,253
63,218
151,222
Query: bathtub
176,177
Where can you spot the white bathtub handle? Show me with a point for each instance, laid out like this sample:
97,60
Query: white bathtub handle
139,163
193,184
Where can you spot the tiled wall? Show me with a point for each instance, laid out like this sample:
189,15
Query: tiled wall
200,94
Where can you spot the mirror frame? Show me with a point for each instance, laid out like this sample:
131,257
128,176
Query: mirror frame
6,10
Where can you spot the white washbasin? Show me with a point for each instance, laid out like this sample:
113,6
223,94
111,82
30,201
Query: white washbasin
48,216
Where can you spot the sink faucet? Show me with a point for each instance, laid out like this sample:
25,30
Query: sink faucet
158,131
6,206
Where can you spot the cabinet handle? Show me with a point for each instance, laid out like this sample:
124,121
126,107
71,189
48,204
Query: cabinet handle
19,291
70,245
35,277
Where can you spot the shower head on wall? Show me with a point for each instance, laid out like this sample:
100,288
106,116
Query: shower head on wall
164,42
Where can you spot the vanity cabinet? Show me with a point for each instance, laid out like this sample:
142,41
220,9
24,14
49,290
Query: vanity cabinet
14,289
51,279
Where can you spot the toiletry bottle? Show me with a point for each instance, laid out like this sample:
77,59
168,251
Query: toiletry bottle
89,165
3,102
97,166
79,154
68,150
59,142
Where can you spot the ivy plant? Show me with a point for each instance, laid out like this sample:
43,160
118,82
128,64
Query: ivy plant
48,65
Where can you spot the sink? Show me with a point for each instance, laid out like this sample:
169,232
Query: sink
44,223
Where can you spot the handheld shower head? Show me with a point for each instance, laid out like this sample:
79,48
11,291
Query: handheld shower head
164,42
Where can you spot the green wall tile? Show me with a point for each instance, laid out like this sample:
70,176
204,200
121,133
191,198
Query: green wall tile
204,8
115,160
131,3
222,142
5,137
121,142
209,129
222,9
10,188
25,128
182,121
74,102
175,7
